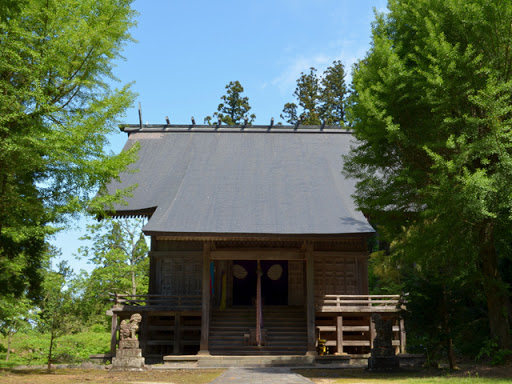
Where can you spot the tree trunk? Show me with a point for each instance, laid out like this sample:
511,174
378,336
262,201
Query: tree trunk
134,283
451,354
50,351
448,330
9,338
498,300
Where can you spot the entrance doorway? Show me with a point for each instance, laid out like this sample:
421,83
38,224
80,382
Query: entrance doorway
274,282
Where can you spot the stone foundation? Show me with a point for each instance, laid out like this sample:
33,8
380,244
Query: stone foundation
383,363
128,357
128,360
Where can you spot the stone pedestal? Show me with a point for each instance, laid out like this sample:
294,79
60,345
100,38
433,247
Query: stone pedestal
383,356
128,357
383,359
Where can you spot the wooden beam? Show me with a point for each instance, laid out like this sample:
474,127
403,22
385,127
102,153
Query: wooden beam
356,309
372,332
256,254
339,335
310,299
205,310
341,254
403,338
113,335
359,238
165,254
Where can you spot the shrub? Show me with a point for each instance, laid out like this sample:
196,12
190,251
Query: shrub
31,347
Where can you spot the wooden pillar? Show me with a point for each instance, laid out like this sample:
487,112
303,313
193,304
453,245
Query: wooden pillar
310,299
372,332
152,268
144,332
402,336
113,336
339,335
177,334
364,275
259,315
205,306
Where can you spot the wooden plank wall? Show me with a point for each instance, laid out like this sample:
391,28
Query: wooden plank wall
339,273
177,268
296,282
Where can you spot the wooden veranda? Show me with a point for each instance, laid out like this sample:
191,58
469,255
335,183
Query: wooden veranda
172,324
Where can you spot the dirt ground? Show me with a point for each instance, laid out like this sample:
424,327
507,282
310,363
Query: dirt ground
95,376
202,376
498,371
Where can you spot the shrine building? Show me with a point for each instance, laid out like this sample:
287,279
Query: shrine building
257,247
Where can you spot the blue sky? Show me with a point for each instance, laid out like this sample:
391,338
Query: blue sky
188,51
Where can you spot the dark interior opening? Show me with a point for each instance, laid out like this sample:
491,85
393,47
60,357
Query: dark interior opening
274,282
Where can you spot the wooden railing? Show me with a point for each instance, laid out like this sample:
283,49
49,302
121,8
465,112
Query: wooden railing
174,301
358,303
344,321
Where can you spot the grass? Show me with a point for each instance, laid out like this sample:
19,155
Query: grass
31,348
359,376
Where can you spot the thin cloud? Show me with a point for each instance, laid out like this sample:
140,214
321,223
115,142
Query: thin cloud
286,81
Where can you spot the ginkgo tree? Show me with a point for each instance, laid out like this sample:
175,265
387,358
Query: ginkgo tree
431,108
57,106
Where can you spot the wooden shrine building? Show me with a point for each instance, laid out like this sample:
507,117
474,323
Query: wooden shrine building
256,244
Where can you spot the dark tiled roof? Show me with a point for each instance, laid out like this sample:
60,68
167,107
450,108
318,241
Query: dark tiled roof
242,180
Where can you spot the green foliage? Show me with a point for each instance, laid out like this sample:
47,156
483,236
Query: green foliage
15,314
321,100
307,94
234,108
31,347
384,277
431,107
56,311
492,351
56,108
119,253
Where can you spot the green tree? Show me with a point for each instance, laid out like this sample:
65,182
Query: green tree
319,99
56,310
431,108
307,93
332,97
56,108
119,253
234,108
15,313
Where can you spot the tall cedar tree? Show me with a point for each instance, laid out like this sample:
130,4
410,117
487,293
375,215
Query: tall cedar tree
56,108
432,108
234,108
320,100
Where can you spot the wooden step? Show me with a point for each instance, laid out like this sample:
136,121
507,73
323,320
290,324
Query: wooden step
286,332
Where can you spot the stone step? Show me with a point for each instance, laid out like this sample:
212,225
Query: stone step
255,361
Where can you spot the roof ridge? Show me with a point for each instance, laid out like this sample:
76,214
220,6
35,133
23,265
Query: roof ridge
131,128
